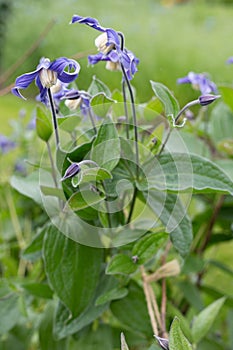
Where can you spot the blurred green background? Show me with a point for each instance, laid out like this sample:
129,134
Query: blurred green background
170,37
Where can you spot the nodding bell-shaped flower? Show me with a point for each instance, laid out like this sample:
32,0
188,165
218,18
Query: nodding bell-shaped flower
163,342
101,42
110,47
71,171
47,74
77,98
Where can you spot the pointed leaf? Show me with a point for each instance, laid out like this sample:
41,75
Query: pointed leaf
43,125
182,172
172,214
146,247
170,103
106,147
86,197
204,320
101,104
72,270
177,340
121,264
97,86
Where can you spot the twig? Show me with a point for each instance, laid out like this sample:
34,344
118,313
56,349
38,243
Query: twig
149,302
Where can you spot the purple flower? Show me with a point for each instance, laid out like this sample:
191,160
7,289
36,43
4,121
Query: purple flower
205,100
163,342
6,144
78,98
47,74
71,171
110,48
199,82
230,60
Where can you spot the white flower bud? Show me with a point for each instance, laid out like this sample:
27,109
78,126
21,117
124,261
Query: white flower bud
101,43
48,77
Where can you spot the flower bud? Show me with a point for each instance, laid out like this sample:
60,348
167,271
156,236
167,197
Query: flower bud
101,43
48,77
163,342
71,171
205,100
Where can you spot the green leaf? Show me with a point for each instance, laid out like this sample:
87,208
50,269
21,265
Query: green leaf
53,191
72,270
113,294
47,340
191,294
86,197
43,124
172,214
34,250
9,312
101,104
131,311
97,86
66,325
106,147
182,172
146,247
91,175
227,95
40,290
171,105
204,320
28,186
177,340
121,264
221,123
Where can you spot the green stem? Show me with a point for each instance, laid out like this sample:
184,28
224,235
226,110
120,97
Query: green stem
134,119
126,110
92,119
132,205
54,117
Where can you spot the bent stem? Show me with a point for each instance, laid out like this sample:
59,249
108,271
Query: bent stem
175,120
54,117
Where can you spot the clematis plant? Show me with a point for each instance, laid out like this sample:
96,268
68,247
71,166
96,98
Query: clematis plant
199,81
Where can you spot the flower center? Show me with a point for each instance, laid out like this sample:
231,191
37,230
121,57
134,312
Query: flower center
48,77
101,43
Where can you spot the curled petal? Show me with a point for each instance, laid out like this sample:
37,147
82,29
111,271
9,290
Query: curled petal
113,37
59,66
23,81
91,22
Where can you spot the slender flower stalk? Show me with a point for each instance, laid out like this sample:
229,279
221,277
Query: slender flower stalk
203,100
54,117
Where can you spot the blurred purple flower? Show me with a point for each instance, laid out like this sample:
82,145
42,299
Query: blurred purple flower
199,82
77,98
47,74
109,45
6,144
230,60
